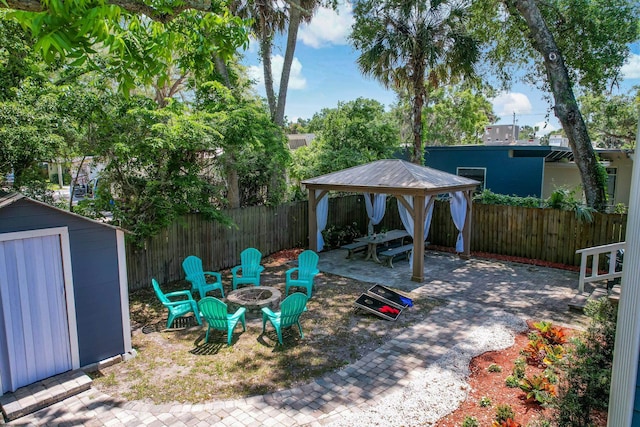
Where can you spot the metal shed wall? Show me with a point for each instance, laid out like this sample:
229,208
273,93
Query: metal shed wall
96,284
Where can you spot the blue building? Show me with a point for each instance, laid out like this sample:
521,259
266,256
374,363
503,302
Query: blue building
529,170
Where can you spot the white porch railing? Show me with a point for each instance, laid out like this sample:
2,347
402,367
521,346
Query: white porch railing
595,253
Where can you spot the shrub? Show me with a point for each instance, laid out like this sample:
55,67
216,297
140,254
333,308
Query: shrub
470,422
494,368
512,381
519,367
335,236
586,371
489,198
485,401
503,413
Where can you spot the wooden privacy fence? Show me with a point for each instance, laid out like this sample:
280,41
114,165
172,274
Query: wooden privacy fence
545,234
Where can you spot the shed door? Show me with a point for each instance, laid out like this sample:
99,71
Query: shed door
34,329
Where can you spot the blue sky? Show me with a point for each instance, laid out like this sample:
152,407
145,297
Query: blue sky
324,73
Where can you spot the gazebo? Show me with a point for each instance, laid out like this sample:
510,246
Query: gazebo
414,184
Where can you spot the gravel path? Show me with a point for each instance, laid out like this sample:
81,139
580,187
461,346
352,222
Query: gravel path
434,392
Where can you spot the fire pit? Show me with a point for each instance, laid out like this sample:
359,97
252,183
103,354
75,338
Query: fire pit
253,298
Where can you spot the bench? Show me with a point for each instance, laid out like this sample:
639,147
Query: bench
391,253
354,247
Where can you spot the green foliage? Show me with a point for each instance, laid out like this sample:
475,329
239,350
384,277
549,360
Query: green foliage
456,115
519,366
593,38
586,371
489,198
538,388
484,402
539,422
611,119
155,175
354,133
567,200
494,368
503,413
410,45
335,235
470,422
131,47
512,381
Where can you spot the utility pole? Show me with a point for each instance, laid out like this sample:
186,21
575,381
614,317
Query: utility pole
513,129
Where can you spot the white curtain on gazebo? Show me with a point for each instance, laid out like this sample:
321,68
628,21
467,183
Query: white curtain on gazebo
458,214
322,212
407,220
375,211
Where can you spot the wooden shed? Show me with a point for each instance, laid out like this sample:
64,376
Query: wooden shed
63,292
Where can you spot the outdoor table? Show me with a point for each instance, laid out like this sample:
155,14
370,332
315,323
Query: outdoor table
381,239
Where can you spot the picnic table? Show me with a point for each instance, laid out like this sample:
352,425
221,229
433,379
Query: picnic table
375,240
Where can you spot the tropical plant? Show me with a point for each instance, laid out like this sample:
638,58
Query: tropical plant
413,45
538,388
509,422
550,333
585,374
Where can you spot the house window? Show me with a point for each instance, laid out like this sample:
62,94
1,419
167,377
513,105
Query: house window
479,174
611,185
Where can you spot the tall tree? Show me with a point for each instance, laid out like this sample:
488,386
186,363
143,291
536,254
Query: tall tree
611,119
408,44
563,43
271,17
352,134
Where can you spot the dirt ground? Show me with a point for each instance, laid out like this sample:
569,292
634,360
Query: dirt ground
176,365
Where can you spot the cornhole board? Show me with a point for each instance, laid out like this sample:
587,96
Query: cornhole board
372,304
389,296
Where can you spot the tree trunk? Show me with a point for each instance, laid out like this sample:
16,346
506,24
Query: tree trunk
265,52
233,188
417,156
566,108
295,16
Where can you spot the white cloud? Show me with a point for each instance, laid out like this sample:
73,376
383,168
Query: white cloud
296,79
328,27
631,68
512,102
544,128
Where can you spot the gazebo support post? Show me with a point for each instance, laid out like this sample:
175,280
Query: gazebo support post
313,220
466,231
418,238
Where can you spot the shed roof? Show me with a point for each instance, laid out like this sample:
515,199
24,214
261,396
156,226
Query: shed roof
7,199
392,176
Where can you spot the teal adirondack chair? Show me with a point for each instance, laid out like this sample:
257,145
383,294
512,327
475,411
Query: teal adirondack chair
178,307
306,269
215,313
192,266
290,310
248,272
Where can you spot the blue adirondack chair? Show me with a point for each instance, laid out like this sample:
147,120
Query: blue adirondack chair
248,272
192,266
306,269
215,313
177,307
290,310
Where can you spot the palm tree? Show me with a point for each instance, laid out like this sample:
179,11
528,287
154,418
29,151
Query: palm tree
269,18
412,46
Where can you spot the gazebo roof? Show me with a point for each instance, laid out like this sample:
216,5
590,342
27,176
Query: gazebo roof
391,176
